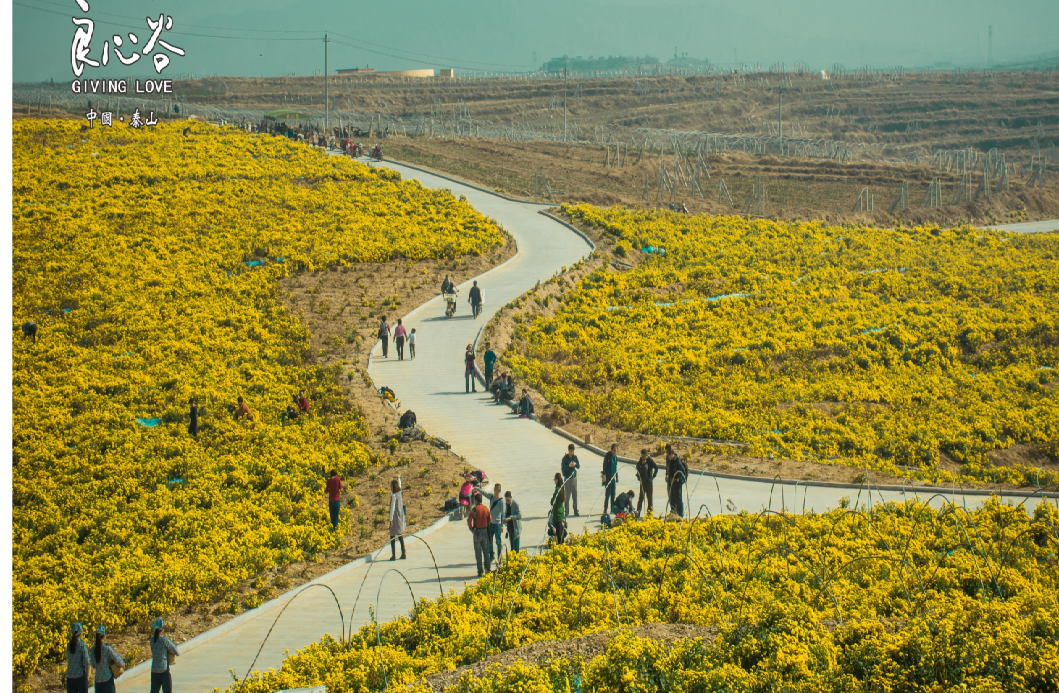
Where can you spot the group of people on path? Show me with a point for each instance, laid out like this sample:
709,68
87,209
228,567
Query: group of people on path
487,520
401,334
108,664
474,296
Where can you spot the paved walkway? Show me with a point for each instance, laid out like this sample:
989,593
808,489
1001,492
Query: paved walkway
1029,226
519,454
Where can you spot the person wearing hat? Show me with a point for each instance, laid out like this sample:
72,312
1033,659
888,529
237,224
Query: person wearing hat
76,661
161,650
106,662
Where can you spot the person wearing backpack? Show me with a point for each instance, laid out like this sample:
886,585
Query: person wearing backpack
384,335
106,662
76,661
162,652
397,520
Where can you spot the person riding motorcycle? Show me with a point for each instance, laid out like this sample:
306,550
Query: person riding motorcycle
447,287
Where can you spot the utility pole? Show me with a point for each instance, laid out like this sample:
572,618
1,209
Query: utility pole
990,45
781,120
327,100
566,70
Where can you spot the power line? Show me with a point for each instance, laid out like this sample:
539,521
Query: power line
177,33
425,55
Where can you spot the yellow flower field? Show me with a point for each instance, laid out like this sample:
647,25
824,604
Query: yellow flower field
902,598
877,348
148,259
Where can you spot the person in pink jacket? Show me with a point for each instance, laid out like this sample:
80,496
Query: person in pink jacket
399,336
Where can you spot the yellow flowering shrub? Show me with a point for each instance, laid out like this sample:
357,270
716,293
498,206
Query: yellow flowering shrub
148,259
873,347
902,597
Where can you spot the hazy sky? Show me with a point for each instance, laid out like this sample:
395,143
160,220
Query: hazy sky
510,35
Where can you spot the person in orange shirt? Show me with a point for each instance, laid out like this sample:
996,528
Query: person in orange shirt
478,523
334,498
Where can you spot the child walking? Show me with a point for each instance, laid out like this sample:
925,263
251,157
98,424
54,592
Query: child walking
412,343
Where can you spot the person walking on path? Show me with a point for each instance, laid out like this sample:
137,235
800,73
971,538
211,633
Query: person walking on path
103,657
513,518
474,297
384,335
399,335
412,344
478,523
646,471
334,498
397,519
76,661
470,383
569,467
496,521
489,358
610,477
557,515
161,649
676,475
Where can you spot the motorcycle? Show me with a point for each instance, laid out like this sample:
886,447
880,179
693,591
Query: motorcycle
450,303
376,153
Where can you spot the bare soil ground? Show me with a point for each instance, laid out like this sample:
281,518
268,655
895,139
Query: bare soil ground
341,310
908,114
796,188
543,301
586,647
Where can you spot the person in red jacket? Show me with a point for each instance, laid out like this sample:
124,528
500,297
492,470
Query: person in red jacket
478,523
302,401
334,499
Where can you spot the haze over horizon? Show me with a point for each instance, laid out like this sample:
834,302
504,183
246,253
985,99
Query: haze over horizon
278,37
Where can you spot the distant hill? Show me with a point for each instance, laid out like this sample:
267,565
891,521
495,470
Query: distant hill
602,64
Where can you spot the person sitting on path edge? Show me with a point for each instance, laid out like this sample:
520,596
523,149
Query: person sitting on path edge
478,523
397,519
474,297
334,499
569,466
525,406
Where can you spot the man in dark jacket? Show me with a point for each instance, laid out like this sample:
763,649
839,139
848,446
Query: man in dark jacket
646,471
676,475
569,467
610,477
474,297
623,503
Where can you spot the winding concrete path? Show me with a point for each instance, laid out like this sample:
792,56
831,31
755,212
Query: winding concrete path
521,455
1028,226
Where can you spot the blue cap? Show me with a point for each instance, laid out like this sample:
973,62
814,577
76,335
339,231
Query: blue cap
158,623
102,630
76,628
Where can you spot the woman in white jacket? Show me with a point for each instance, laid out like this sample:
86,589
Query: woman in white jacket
397,519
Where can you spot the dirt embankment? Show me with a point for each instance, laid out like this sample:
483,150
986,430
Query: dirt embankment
795,188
